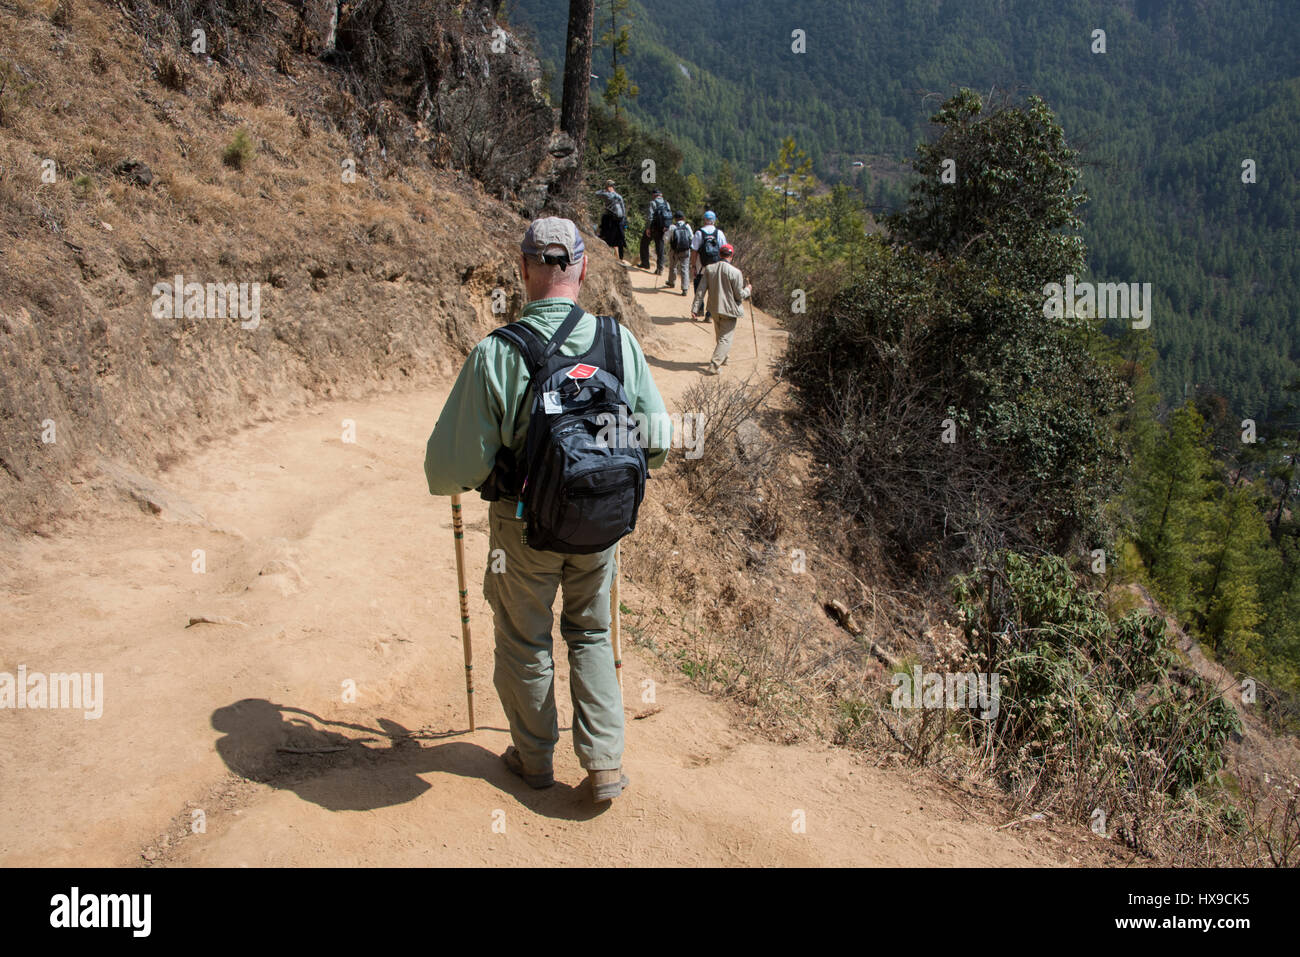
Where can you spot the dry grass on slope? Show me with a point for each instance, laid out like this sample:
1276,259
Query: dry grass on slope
378,281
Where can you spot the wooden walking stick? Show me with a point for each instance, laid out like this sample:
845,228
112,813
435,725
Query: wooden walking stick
458,531
615,631
754,326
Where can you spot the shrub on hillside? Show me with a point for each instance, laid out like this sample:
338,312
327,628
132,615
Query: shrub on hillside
733,476
13,93
172,73
1092,714
955,419
239,153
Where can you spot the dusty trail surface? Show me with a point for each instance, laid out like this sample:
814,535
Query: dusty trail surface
332,568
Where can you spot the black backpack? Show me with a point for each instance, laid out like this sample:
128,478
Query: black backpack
663,215
681,238
710,248
579,491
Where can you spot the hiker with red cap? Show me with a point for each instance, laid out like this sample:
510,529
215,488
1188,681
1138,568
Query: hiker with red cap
519,427
725,287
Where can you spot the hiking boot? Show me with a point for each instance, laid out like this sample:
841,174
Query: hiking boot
534,779
712,369
607,785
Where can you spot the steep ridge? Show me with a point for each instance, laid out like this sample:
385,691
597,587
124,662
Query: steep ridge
126,162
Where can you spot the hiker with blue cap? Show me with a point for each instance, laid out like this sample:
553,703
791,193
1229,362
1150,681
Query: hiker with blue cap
493,436
706,249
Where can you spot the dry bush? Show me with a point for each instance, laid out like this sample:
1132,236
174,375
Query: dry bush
735,475
757,259
62,16
222,93
765,658
283,60
256,93
13,93
172,73
1272,823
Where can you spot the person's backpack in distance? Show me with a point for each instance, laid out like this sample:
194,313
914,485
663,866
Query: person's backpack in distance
681,238
584,468
617,207
710,248
663,216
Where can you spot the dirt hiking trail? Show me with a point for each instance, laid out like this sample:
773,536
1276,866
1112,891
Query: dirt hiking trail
328,565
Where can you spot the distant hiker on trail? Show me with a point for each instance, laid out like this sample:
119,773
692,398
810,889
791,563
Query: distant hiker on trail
679,242
660,216
645,247
556,364
706,248
726,291
613,222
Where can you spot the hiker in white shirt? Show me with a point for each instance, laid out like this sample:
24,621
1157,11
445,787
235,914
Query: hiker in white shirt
706,249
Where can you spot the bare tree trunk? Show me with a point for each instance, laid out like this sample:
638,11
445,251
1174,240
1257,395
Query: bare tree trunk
577,87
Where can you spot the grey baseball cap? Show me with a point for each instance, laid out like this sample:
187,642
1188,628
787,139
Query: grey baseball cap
553,239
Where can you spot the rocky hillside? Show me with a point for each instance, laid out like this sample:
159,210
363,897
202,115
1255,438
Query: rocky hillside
341,208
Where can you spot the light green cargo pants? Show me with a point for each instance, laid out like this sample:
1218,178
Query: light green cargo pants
520,594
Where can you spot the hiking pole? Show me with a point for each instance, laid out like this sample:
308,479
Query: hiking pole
753,324
458,531
615,631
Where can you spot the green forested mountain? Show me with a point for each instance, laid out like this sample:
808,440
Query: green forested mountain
1184,93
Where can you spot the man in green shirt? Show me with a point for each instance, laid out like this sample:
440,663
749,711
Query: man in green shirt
485,412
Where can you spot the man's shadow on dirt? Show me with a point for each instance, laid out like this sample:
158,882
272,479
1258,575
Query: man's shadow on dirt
676,365
374,768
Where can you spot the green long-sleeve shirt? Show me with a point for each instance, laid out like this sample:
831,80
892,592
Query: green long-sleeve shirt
482,413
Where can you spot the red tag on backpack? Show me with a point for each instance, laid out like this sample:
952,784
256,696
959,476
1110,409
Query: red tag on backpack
581,371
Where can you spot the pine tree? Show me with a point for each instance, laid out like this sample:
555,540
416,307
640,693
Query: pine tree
1174,488
1236,547
618,86
790,182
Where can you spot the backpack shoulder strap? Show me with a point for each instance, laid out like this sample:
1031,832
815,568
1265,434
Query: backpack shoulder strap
562,334
525,340
607,329
536,353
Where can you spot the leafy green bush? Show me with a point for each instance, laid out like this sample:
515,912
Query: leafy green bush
960,418
1089,709
240,152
